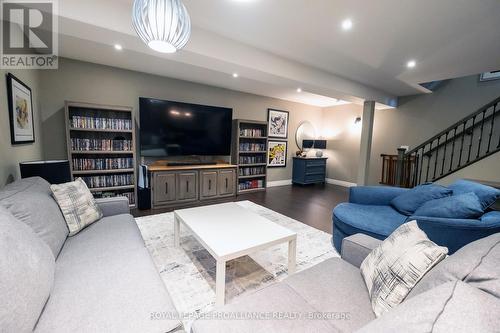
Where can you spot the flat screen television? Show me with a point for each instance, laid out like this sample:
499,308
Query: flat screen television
170,128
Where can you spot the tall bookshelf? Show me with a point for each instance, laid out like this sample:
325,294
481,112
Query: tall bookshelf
101,148
250,154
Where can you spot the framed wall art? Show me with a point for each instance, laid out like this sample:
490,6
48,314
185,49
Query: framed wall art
277,123
277,154
20,102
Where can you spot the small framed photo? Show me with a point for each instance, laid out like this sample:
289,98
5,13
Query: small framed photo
277,154
277,124
489,76
20,102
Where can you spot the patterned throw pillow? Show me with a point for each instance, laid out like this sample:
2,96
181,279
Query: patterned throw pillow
393,268
77,205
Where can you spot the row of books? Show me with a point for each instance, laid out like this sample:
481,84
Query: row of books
253,132
251,184
250,171
129,195
109,180
101,123
81,164
100,145
252,159
251,146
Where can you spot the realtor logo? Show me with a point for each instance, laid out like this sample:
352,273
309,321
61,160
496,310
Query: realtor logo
29,34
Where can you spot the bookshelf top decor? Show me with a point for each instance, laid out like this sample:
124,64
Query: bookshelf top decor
101,148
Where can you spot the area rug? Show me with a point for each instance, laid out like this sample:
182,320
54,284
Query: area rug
189,271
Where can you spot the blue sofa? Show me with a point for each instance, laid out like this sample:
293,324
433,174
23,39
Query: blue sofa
369,212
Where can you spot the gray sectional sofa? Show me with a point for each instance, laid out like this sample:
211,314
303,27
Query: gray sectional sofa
100,280
460,294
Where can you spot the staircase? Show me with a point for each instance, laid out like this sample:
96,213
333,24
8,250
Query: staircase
466,142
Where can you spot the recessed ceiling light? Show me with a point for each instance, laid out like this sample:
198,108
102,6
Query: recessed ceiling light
235,75
299,90
411,64
118,47
347,24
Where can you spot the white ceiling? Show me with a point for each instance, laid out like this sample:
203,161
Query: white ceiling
279,45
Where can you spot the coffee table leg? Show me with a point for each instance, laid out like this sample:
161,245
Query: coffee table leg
177,231
292,256
220,283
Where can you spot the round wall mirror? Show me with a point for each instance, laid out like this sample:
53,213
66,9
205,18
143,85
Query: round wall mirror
305,131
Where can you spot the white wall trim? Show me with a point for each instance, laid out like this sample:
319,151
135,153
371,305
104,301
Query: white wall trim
279,183
340,182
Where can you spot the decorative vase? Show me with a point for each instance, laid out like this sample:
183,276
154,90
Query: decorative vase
319,153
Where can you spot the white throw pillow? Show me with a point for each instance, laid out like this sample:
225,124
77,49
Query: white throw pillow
393,268
77,205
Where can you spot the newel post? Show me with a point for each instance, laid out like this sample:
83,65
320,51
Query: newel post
400,167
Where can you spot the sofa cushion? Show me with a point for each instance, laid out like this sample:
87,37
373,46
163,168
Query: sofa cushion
276,299
393,268
486,194
476,263
30,200
26,274
119,292
335,286
451,307
77,205
408,202
376,221
111,236
461,206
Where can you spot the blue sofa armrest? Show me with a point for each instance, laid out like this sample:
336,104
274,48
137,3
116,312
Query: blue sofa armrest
113,206
455,233
374,195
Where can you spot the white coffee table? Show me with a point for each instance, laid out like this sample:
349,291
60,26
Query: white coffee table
229,231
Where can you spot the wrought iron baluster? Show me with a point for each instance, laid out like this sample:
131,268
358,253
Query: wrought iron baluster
480,135
471,138
415,170
421,166
436,158
444,153
462,145
492,127
429,155
453,148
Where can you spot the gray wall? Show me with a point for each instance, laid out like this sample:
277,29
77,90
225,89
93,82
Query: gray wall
343,139
86,82
11,155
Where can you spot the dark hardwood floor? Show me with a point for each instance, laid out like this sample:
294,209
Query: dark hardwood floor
310,204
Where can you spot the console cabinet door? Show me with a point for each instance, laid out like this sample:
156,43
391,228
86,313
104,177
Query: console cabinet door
187,186
208,184
227,182
164,187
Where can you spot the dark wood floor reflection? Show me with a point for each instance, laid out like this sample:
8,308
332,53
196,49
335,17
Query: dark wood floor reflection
310,204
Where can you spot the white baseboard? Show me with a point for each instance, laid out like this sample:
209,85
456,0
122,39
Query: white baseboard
340,182
279,183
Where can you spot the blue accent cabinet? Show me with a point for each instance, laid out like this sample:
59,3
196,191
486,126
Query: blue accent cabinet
309,170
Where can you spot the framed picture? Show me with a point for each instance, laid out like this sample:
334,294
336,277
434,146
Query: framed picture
489,76
276,154
20,101
277,124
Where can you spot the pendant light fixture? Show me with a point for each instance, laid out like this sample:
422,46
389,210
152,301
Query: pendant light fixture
164,25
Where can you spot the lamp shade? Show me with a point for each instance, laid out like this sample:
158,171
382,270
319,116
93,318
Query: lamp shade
164,25
55,172
320,144
307,144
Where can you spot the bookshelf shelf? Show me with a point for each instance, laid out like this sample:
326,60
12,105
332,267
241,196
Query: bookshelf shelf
91,172
250,154
105,152
99,130
103,128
